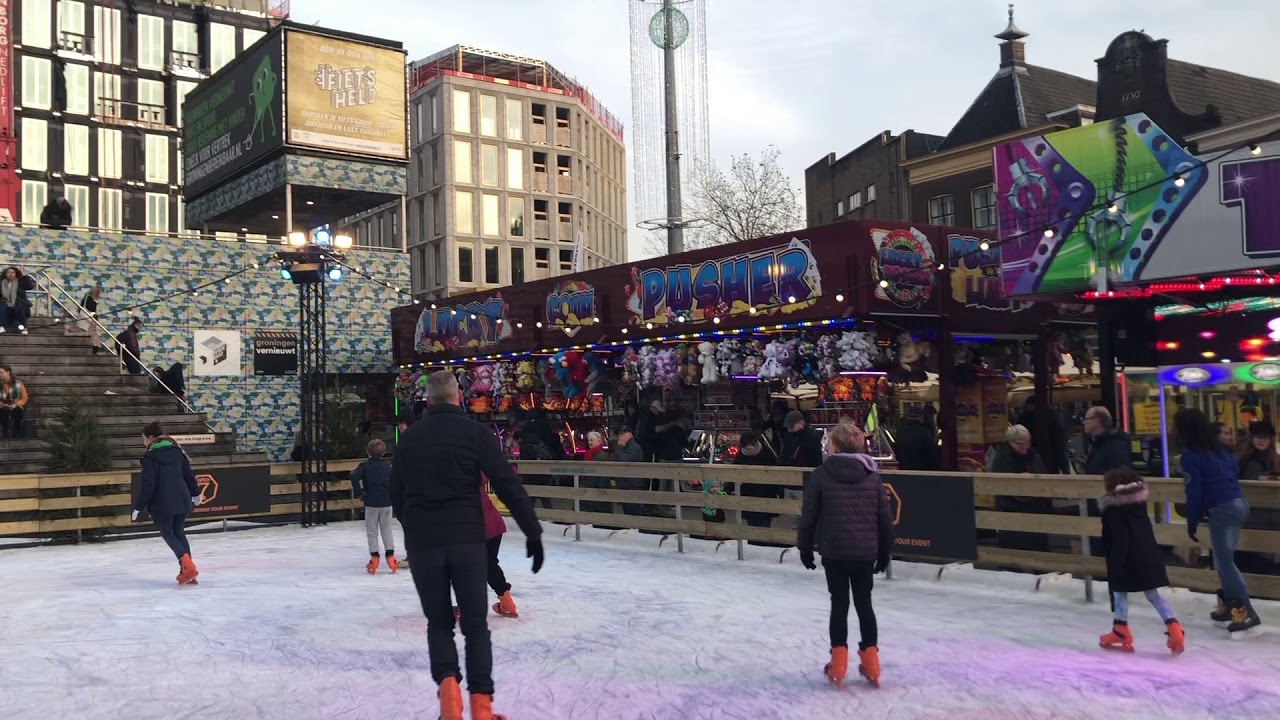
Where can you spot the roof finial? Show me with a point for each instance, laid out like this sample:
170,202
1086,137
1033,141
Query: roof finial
1011,32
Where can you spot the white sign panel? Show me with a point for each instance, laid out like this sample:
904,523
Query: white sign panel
216,353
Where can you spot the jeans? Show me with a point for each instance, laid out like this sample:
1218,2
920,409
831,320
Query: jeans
841,578
11,422
1120,601
464,568
378,520
1225,521
497,578
173,528
757,519
14,314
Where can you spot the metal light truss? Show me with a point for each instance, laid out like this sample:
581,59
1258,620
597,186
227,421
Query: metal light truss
312,362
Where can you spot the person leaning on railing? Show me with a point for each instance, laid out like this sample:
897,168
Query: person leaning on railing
1258,460
13,403
84,318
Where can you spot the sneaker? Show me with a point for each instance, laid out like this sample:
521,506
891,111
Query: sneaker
1243,618
869,665
505,606
839,665
450,699
1222,614
372,566
22,330
482,708
1177,640
1118,639
2,330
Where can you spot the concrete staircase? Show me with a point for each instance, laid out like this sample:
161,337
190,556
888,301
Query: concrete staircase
54,367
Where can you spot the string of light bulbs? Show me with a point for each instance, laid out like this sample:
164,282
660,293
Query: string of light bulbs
194,290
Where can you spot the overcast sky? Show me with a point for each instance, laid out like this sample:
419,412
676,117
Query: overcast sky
819,76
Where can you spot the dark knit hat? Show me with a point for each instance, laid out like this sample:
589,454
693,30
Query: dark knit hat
1262,428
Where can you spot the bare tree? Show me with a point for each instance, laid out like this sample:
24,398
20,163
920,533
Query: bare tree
754,199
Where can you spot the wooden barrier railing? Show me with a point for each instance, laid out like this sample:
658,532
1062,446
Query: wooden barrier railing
39,505
1071,530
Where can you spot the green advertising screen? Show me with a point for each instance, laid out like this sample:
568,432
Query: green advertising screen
234,118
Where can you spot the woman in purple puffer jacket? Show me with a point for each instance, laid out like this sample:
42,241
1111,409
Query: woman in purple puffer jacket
846,509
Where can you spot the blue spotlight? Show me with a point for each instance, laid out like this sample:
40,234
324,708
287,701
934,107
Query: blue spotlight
285,274
335,273
322,237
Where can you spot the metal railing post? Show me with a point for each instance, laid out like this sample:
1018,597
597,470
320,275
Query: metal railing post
1086,552
675,486
742,544
577,508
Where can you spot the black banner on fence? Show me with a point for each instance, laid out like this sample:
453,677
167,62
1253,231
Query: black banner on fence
241,490
933,516
275,353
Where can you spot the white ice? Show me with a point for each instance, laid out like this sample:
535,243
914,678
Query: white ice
286,624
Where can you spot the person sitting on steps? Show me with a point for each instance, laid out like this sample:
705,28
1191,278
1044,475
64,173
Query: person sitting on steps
13,403
130,353
15,306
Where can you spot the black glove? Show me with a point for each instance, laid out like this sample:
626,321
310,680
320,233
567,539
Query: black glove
1191,533
882,563
806,559
534,547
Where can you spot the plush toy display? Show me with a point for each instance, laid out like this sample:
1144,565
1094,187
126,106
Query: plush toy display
631,367
501,379
752,357
666,369
464,381
911,352
525,376
648,365
482,380
597,366
729,357
707,358
771,368
692,371
575,382
855,350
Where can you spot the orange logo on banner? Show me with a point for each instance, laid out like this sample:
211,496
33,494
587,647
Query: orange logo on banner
895,503
208,488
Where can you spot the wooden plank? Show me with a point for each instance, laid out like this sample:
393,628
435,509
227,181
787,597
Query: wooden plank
720,531
89,523
1050,524
683,499
53,482
19,505
296,488
1267,541
1042,561
293,468
1204,580
692,472
86,501
19,482
26,527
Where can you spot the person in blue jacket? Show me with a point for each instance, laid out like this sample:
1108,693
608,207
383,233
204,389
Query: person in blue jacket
1209,473
168,491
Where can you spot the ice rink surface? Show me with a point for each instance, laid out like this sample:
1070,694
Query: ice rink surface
286,624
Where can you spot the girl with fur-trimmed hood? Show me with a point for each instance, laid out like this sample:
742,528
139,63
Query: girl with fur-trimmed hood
1134,560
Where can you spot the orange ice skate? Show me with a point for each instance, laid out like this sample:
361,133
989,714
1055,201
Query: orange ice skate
1120,638
450,699
506,606
1177,640
392,563
869,665
187,574
372,566
839,665
482,708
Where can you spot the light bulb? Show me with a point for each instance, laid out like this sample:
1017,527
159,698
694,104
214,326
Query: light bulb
715,320
648,326
433,306
624,331
791,298
1255,149
884,283
519,325
538,324
1179,181
1048,232
1113,208
984,246
752,310
839,297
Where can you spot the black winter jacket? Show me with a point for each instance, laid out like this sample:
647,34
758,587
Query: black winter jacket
167,482
802,449
1108,451
372,480
1134,560
846,508
1008,460
917,447
766,458
435,480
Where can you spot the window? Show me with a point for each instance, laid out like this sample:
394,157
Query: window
35,144
437,264
182,222
489,165
566,261
34,197
514,111
222,45
489,215
151,101
515,169
437,215
75,150
492,268
107,39
461,111
984,207
435,113
463,220
71,34
157,213
515,216
151,42
109,209
541,263
942,210
517,265
855,201
840,208
37,83
77,79
488,116
461,161
464,264
35,23
109,142
871,193
106,94
78,196
157,159
183,87
419,121
252,36
186,45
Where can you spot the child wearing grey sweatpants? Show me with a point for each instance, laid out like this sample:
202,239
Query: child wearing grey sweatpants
371,482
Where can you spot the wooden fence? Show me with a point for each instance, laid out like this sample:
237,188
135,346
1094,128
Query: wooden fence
40,505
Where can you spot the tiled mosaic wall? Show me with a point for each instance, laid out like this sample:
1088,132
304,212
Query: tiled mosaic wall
136,269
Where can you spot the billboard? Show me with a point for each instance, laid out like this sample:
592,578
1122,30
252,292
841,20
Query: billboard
932,516
233,119
345,96
1128,205
237,490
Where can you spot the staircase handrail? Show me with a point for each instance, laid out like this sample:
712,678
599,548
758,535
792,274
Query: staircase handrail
27,270
93,318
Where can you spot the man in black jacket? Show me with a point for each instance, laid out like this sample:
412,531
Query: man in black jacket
752,451
167,489
435,493
1108,448
916,446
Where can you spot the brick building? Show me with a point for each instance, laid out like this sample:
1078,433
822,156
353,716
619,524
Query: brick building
868,182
